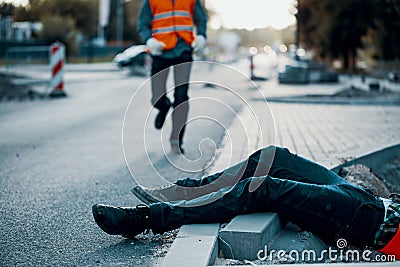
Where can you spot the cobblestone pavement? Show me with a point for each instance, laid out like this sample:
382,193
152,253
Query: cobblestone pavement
325,133
329,133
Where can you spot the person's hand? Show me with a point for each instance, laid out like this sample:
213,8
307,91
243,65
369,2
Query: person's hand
155,46
199,44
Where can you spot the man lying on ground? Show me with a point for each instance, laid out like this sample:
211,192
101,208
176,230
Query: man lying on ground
270,180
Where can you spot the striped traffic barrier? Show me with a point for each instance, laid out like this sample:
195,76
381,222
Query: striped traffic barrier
57,59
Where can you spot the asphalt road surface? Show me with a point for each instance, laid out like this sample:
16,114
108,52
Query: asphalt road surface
58,157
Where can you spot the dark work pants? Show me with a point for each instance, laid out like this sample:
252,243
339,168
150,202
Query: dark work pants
159,73
309,195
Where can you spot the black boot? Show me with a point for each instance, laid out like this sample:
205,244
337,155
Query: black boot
162,112
127,222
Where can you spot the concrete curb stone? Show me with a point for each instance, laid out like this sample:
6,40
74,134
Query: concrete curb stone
246,234
195,245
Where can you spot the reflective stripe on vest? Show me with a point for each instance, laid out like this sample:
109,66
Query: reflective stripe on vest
172,29
171,20
393,247
172,14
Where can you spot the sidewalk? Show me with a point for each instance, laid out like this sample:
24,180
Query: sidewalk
327,134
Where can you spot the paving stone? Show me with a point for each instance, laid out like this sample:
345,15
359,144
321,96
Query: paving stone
191,251
189,230
195,246
246,234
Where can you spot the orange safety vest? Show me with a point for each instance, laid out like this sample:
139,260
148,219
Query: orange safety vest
393,246
171,20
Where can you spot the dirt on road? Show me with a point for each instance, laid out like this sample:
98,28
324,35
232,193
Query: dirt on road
10,91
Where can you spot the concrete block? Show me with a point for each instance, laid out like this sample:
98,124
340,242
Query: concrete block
246,234
198,230
195,246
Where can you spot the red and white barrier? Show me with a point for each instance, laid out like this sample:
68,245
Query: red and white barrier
57,59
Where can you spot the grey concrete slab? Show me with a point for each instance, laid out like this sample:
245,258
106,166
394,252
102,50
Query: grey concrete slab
190,230
246,234
192,251
195,245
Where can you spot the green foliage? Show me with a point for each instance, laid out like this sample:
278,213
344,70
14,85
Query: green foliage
62,29
336,29
82,12
387,33
131,15
6,10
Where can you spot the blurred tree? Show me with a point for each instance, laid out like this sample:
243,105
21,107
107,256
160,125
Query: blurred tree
6,10
80,11
132,9
62,29
31,12
307,22
350,22
386,36
62,20
131,12
335,28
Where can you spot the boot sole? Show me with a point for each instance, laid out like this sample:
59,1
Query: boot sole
143,196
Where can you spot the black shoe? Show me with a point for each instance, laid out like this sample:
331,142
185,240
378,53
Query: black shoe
162,114
143,195
160,119
127,222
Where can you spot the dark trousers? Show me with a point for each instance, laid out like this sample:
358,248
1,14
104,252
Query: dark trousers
275,180
159,73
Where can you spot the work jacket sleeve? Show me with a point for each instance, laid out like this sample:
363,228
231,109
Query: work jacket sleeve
144,21
200,19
